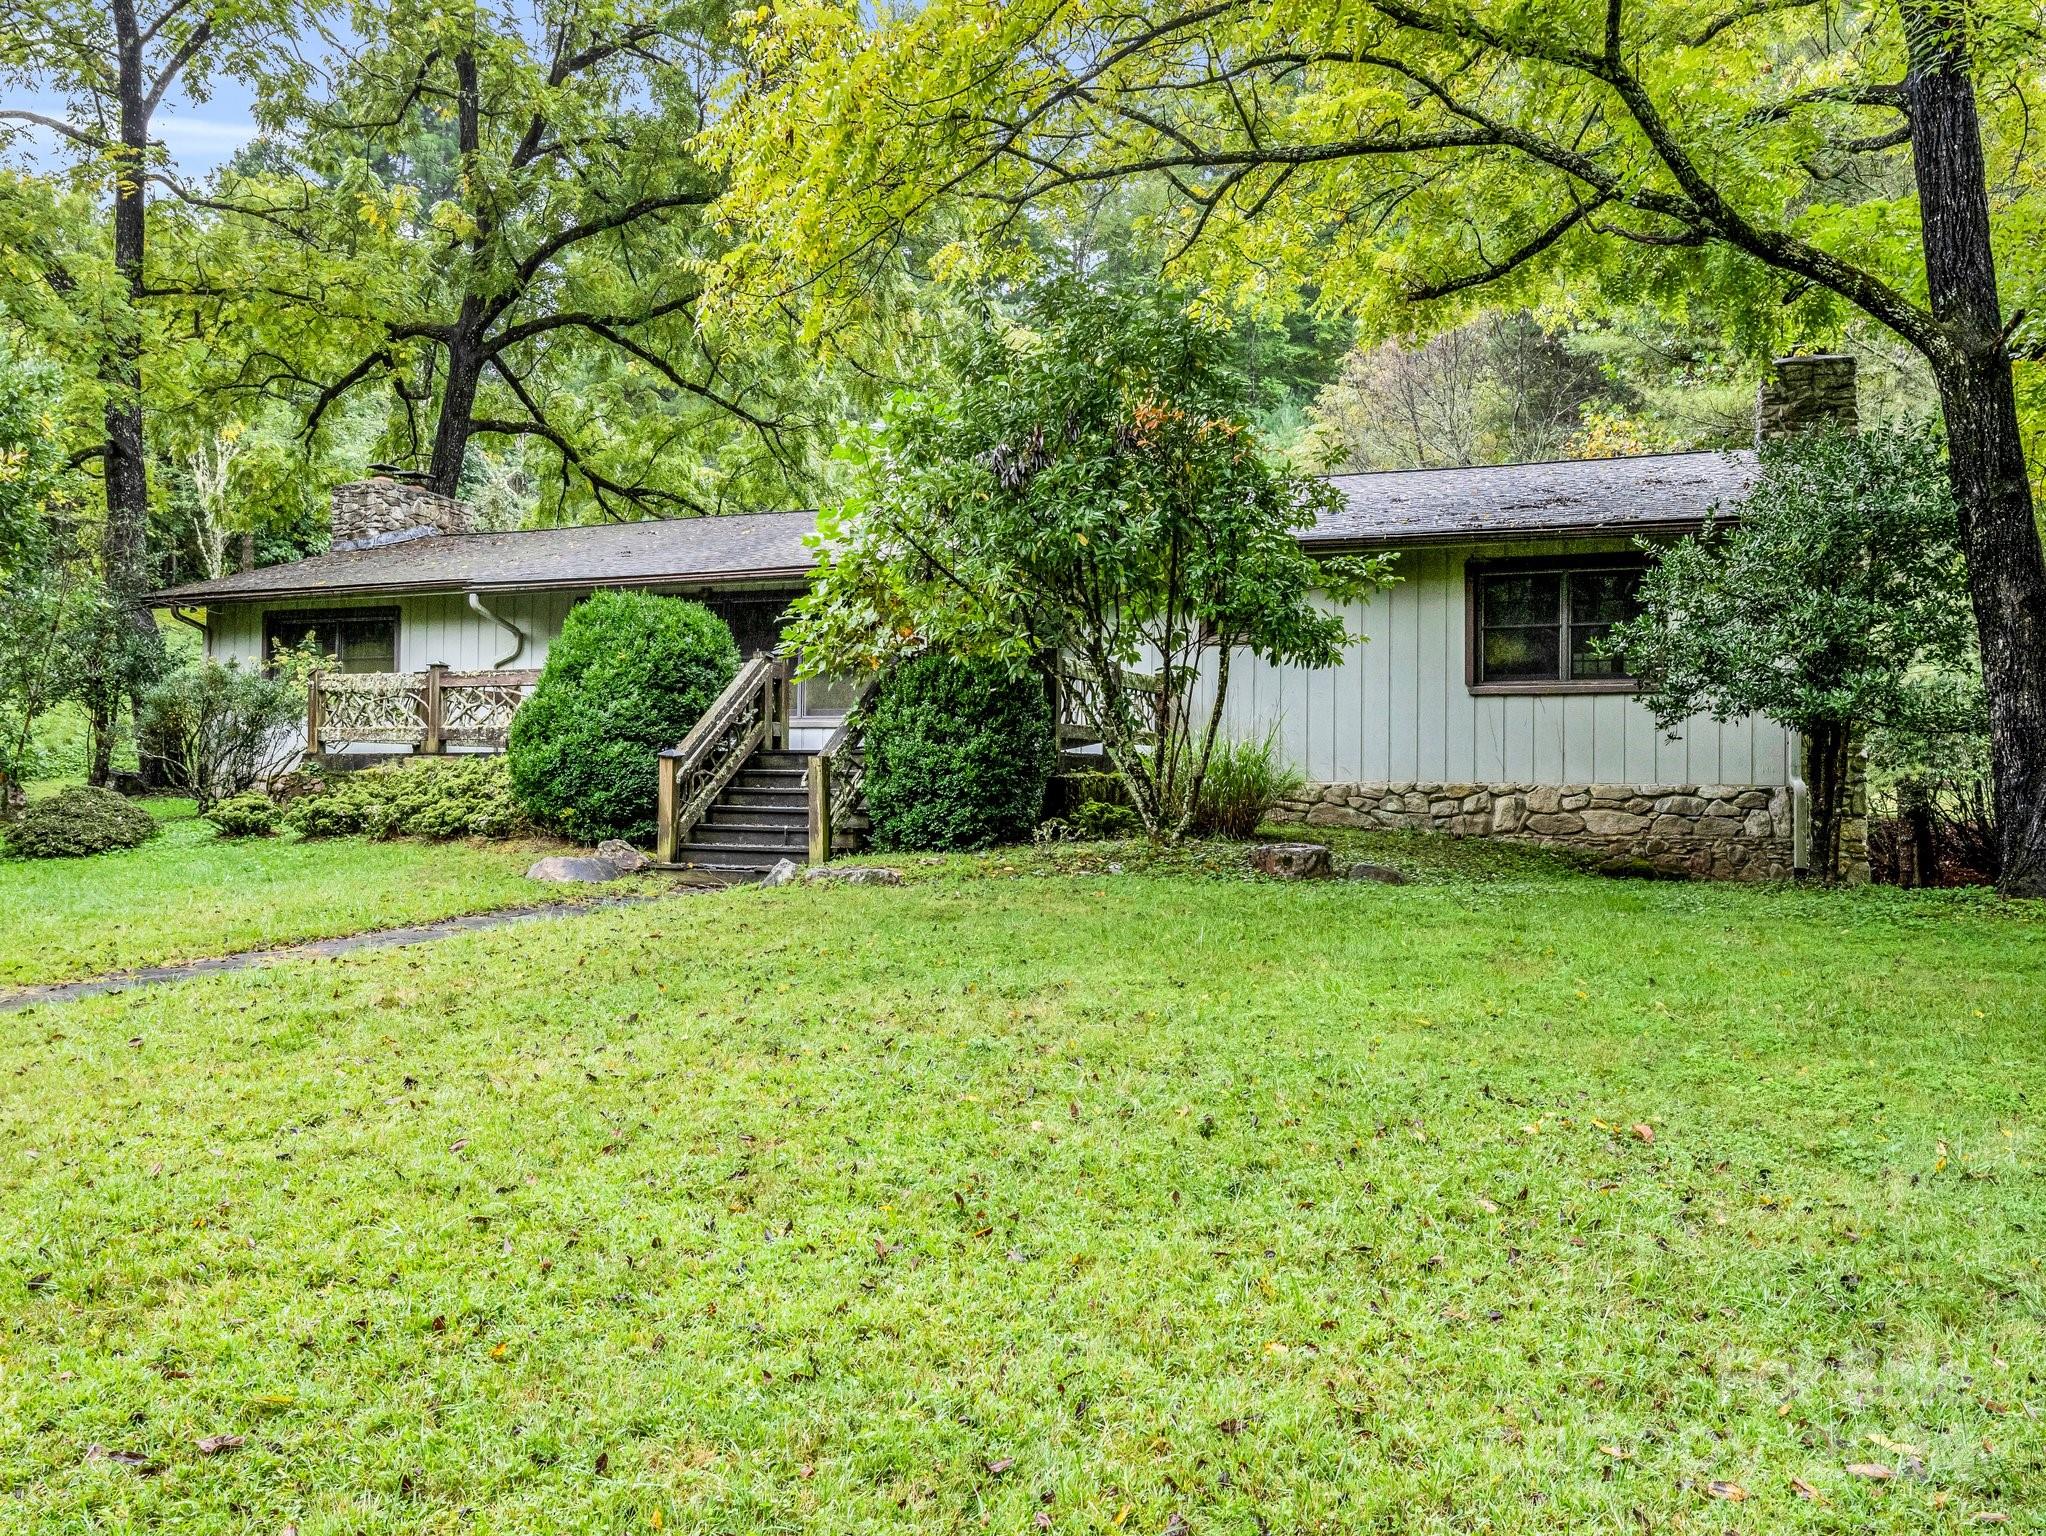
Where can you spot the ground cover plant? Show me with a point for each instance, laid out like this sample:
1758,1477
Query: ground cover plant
77,822
1013,1199
190,893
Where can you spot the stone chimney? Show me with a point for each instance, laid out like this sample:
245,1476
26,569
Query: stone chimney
1799,393
381,510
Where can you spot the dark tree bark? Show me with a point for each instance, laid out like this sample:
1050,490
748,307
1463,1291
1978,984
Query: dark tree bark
2006,571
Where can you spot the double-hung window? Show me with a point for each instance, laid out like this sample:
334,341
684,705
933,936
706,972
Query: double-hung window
1536,626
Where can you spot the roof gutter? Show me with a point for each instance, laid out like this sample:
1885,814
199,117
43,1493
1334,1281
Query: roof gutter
177,595
1358,544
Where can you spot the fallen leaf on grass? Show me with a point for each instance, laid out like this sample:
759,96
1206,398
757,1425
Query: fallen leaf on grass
1230,1427
213,1445
1643,1133
1617,1453
1000,1465
1874,1471
135,1459
1989,1517
1732,1492
1805,1490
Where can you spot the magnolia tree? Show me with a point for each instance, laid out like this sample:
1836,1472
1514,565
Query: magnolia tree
1837,604
1089,497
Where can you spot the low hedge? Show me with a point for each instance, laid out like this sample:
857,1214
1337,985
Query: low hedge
958,756
78,822
249,815
431,798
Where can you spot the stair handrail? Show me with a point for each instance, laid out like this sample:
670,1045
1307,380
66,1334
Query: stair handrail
836,776
752,712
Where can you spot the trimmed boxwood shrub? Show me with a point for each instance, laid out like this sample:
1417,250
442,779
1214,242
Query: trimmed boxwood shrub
79,821
250,815
628,677
958,756
432,797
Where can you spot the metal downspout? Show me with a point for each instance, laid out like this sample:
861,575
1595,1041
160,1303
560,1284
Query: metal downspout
1800,810
518,637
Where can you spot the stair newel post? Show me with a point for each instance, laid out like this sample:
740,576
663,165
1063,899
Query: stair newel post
434,741
818,781
312,713
666,844
784,687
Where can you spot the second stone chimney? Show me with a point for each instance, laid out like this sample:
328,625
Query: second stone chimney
381,510
1799,393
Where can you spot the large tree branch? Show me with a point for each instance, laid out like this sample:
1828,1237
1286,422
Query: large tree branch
617,218
196,39
77,135
1519,257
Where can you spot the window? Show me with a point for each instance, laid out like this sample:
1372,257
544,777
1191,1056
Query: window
1535,625
359,640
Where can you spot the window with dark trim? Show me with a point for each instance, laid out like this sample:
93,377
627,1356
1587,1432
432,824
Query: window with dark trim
1535,625
359,639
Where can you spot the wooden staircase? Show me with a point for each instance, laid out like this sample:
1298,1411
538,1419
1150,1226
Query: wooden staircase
735,800
759,818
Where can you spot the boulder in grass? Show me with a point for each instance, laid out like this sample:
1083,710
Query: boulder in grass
783,872
630,860
1384,874
576,869
852,874
1292,861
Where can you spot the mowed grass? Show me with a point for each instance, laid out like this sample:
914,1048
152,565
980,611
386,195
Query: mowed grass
190,893
1075,1201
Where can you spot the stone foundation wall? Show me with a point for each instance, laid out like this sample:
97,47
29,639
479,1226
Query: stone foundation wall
1719,831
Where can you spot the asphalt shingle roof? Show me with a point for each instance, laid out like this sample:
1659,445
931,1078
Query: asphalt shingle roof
1518,501
1510,501
673,551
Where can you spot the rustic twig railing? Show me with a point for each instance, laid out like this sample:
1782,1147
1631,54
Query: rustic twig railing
428,711
1084,701
835,778
752,712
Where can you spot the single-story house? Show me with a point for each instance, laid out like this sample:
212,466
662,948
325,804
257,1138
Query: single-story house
1476,706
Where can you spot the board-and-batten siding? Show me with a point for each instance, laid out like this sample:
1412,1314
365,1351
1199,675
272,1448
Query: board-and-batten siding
440,627
1398,709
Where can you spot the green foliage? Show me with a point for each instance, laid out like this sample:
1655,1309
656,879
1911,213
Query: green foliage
245,815
1090,491
1097,821
1841,581
78,821
435,798
1245,780
220,728
628,676
958,755
1832,606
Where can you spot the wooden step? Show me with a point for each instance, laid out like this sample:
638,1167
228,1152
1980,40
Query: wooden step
790,835
702,854
766,799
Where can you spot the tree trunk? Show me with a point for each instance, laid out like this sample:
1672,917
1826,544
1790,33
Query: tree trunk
2006,570
1825,777
124,545
452,428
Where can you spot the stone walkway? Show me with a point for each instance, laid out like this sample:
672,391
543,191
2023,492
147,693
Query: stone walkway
313,949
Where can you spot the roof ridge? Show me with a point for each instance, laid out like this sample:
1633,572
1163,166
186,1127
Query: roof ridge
1474,469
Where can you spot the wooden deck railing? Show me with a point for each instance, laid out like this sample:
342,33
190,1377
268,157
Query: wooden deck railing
428,711
835,778
752,712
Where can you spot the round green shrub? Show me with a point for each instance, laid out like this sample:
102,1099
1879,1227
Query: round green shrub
77,822
958,756
446,797
247,815
628,676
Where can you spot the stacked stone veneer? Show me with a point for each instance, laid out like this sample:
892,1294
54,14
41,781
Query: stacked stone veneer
380,510
1722,831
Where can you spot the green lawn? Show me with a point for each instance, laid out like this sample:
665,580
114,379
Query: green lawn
189,893
1014,1200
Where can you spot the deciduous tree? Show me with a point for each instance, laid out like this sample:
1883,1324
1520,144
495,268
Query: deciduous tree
1793,160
